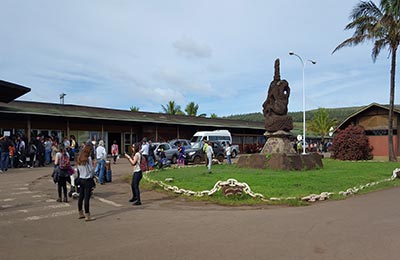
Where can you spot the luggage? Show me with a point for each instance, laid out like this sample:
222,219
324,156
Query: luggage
109,176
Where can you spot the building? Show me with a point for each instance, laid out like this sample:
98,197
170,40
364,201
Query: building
32,119
374,119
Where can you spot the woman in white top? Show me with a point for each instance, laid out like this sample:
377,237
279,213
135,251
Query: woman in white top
86,184
137,174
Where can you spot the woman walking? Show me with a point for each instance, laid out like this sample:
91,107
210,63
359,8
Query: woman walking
137,174
86,182
61,162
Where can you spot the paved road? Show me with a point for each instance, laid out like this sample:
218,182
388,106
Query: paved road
34,226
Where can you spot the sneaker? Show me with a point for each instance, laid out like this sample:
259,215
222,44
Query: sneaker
59,200
65,200
133,200
137,203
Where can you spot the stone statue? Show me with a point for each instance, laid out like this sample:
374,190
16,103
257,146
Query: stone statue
275,106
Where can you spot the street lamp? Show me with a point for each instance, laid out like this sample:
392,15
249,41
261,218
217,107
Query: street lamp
303,64
62,95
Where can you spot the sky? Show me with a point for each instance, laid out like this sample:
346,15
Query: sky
218,54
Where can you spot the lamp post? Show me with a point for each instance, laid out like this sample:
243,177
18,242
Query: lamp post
62,95
303,64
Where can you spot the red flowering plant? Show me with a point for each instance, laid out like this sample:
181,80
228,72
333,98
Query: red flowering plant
351,144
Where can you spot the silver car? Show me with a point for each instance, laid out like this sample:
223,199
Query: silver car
171,152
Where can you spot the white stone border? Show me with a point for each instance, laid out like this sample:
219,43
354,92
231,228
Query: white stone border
246,188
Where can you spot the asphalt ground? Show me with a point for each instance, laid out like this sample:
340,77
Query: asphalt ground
34,226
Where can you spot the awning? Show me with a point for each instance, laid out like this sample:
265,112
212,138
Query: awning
10,91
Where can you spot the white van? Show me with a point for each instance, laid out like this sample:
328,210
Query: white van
222,136
217,135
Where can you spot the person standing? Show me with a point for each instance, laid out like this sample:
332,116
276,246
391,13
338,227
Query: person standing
228,151
209,153
137,174
85,167
114,151
144,151
5,143
47,148
181,157
20,151
101,156
62,162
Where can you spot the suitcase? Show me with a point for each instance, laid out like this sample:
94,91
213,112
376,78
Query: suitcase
108,175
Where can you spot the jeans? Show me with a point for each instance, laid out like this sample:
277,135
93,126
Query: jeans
100,170
62,185
137,176
4,161
48,156
85,190
228,157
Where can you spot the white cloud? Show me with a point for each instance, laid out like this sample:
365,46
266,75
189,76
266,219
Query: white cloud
218,54
191,49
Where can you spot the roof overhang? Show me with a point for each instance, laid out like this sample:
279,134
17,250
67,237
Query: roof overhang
10,91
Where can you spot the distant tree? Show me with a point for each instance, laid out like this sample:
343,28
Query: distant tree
191,110
172,108
321,122
351,144
134,109
382,26
213,115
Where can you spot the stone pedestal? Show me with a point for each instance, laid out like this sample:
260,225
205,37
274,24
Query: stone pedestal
278,142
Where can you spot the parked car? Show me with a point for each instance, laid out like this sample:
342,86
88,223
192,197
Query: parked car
184,142
196,155
171,152
235,148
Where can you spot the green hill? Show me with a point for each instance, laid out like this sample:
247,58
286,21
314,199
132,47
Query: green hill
339,113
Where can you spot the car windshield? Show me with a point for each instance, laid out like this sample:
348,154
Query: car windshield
197,145
195,139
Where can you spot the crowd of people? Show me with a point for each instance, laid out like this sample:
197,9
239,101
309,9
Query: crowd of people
18,152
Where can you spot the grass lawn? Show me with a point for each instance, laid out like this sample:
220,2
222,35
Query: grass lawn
334,177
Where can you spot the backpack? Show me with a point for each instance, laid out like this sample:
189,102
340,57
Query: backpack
143,163
64,163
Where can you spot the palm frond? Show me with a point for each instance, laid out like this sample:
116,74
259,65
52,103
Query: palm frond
365,8
355,40
378,46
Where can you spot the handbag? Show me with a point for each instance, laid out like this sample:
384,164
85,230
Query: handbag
56,174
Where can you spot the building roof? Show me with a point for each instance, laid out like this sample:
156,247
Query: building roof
75,111
10,91
370,106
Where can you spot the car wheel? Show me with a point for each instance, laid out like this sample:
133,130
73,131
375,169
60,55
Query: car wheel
174,159
197,160
234,154
220,158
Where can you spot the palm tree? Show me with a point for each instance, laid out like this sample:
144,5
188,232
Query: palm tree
382,26
191,110
172,109
321,123
213,115
134,109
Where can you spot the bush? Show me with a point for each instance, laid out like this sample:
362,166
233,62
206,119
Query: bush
351,144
